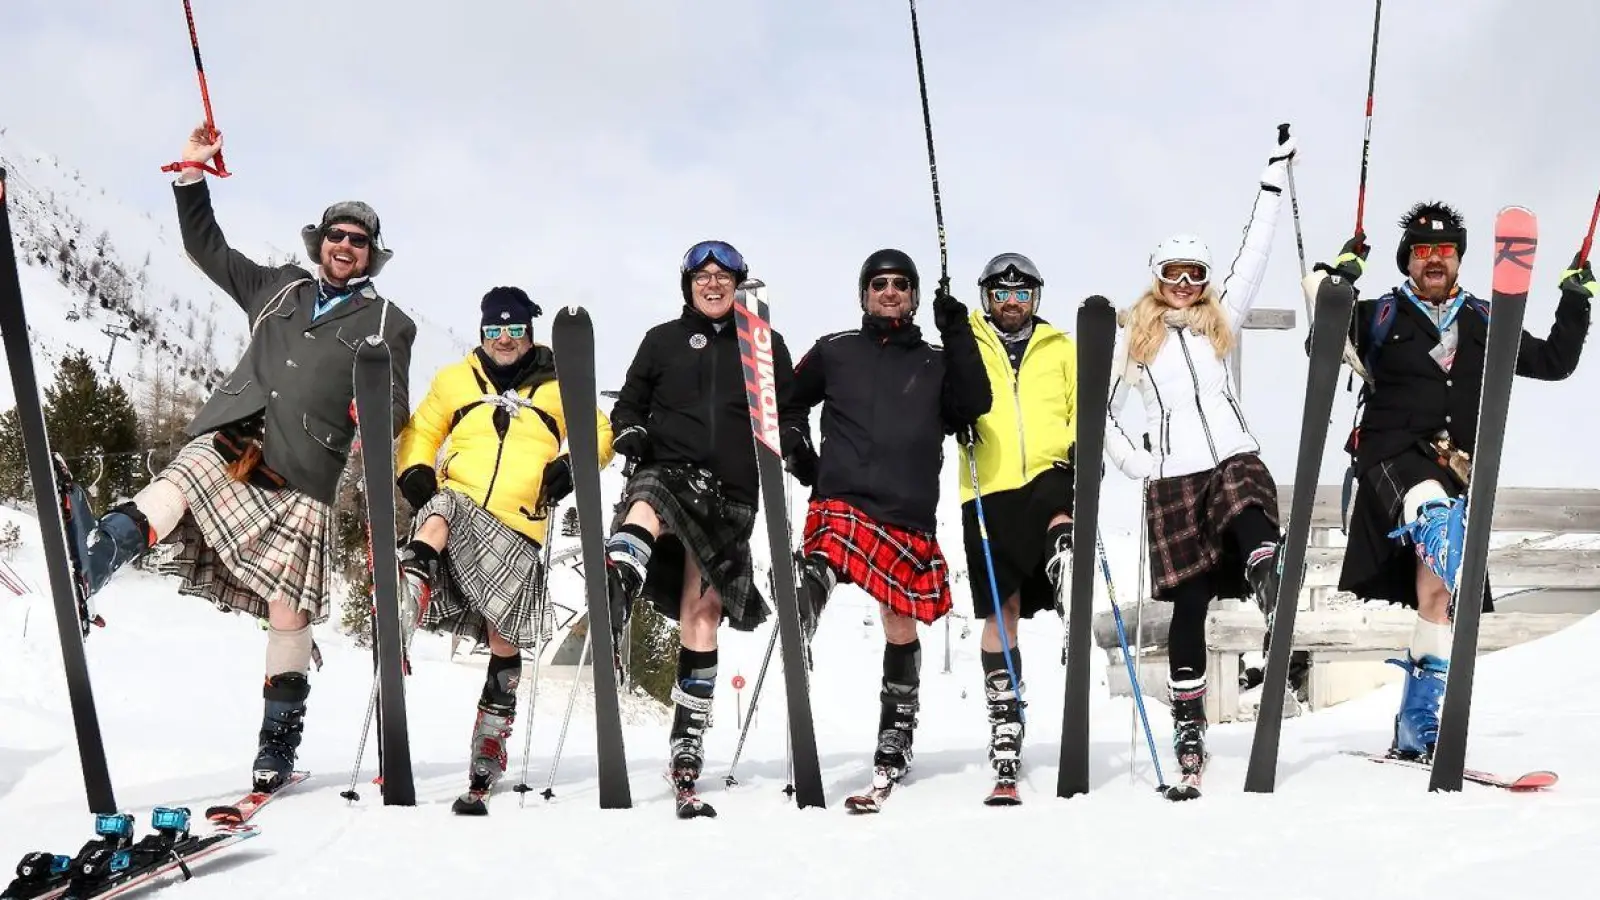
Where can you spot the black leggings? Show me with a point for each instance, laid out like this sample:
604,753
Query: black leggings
1191,599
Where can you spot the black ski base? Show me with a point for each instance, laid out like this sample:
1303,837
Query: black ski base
472,803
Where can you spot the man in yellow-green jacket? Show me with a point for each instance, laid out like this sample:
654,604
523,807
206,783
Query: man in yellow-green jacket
1024,482
484,507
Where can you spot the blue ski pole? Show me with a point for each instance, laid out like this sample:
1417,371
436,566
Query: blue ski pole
994,589
1133,676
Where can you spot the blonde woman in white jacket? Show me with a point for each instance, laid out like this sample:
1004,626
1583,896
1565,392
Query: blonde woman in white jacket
1211,506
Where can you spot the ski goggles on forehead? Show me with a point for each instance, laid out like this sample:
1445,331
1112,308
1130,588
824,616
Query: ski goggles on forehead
719,252
515,332
1180,273
1424,251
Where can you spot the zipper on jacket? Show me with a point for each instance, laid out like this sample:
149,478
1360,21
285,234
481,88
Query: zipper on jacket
1194,378
711,399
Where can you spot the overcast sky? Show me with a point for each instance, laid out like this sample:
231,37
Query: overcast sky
577,148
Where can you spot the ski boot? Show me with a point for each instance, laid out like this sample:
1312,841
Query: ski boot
282,724
419,568
817,581
1005,735
1416,726
1188,735
1438,533
1261,571
119,537
1058,568
625,578
897,722
691,718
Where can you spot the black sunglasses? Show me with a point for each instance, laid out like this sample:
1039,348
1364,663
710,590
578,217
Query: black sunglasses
339,236
882,282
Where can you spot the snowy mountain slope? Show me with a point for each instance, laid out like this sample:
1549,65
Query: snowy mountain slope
177,691
89,262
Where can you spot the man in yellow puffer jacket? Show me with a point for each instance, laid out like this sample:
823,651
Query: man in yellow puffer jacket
484,505
1024,474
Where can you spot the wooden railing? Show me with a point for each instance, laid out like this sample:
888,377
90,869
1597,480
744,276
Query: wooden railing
1337,634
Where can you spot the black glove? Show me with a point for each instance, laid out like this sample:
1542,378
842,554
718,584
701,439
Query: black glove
948,312
801,461
556,483
1351,261
632,442
418,485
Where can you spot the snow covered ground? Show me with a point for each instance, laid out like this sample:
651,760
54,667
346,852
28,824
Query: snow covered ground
176,684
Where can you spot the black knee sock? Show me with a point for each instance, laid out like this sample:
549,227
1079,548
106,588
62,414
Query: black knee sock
902,669
1186,636
633,541
500,683
995,661
1250,529
697,671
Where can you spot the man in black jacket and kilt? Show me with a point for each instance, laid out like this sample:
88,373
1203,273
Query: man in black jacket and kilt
1422,345
249,499
681,536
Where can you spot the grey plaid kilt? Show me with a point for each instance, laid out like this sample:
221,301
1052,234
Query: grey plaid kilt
489,576
1188,514
697,518
243,547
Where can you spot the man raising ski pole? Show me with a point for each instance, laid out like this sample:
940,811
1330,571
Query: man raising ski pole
1422,346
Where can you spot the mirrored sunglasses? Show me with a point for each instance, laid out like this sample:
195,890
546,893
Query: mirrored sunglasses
515,332
882,282
1021,295
1424,251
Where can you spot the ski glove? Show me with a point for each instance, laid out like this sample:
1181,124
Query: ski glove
948,312
1580,280
556,483
801,462
632,442
1276,173
1351,263
418,485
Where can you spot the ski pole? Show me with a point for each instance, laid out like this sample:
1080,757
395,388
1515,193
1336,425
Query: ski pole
1139,596
1133,674
1588,238
994,589
541,642
755,698
1294,206
933,166
572,698
221,169
1366,139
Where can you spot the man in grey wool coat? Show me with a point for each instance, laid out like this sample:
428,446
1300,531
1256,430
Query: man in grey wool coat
250,497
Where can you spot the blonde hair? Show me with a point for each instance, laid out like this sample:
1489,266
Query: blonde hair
1146,322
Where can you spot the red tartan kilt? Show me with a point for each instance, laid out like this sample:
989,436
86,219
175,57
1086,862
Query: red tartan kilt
903,569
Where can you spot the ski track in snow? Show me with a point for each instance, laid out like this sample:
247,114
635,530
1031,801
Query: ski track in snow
176,686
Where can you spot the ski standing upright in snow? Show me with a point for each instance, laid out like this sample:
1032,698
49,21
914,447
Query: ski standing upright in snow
755,348
51,498
572,338
1096,340
1333,301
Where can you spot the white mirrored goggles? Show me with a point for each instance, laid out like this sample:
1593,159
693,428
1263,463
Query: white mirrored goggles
1184,269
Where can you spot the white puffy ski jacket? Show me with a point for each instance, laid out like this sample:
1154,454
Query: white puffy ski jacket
1192,417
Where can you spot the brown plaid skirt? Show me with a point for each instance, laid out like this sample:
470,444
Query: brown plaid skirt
491,576
698,518
1188,514
243,547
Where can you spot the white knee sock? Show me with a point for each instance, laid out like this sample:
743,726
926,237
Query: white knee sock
288,651
162,504
1430,638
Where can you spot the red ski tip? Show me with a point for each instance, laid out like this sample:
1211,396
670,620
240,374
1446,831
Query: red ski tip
1516,237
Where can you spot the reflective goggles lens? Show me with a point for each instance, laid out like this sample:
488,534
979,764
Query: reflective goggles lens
1021,295
515,332
720,252
1181,273
1423,251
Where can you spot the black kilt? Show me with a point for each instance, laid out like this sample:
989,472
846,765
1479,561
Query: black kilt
1376,566
697,517
1187,516
1017,522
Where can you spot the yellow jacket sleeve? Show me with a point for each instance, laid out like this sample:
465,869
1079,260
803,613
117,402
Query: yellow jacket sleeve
425,431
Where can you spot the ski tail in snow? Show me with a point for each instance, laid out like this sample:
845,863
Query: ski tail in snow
572,337
1516,239
755,347
66,586
374,391
1334,301
240,811
1096,339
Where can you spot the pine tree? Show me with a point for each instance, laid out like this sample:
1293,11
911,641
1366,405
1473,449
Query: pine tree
87,418
14,483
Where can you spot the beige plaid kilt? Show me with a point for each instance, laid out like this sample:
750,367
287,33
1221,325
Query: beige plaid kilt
243,547
489,576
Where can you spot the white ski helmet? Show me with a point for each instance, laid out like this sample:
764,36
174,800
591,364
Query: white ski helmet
1010,270
1180,248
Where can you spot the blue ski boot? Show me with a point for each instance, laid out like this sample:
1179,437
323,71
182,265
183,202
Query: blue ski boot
282,723
1438,533
1416,727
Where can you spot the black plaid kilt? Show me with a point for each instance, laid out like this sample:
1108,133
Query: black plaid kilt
1188,514
489,577
1018,521
1376,566
697,518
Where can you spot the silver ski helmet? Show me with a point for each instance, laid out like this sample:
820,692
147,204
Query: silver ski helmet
722,253
1014,271
354,212
885,262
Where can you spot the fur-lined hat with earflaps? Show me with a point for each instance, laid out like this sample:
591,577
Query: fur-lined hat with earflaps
356,213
